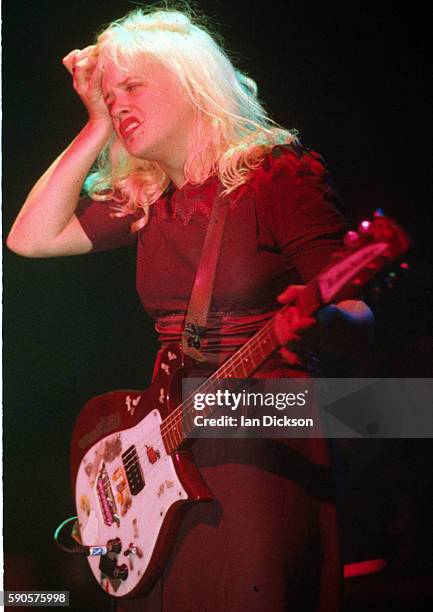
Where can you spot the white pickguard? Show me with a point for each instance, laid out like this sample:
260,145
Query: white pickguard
140,516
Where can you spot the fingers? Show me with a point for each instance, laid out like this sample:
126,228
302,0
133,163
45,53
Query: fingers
76,57
290,328
68,60
95,78
289,322
85,66
289,325
290,294
82,72
292,358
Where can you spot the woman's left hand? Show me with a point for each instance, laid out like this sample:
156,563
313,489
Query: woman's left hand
290,325
344,329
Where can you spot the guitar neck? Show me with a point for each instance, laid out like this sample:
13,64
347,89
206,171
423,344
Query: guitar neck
247,360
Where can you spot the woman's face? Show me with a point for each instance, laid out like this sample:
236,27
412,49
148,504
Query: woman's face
150,111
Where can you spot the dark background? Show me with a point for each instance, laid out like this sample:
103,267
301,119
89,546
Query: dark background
352,78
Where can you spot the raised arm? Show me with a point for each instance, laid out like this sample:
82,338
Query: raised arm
46,225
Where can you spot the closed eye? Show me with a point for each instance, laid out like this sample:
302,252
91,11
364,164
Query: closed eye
131,87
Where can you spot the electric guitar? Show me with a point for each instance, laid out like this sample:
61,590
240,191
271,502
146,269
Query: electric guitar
132,470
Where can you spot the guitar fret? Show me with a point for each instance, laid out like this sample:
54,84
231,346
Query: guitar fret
173,433
170,436
243,366
187,421
255,351
173,429
247,362
177,428
236,370
253,356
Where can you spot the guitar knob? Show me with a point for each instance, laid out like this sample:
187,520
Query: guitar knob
351,238
121,572
114,545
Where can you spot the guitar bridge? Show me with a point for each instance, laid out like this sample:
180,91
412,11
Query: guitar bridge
106,498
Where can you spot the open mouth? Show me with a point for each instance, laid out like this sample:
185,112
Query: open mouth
128,127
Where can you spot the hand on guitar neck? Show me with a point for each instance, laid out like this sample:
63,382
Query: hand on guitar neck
341,329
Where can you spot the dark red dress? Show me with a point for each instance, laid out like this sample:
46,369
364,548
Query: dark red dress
269,540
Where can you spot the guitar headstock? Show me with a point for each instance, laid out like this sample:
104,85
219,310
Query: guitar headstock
376,244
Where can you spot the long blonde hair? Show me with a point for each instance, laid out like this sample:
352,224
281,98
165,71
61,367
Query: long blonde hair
232,132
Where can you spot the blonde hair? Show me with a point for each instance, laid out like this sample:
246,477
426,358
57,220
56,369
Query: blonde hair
232,132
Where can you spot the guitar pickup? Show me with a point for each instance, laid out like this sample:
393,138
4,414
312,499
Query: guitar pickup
133,470
106,498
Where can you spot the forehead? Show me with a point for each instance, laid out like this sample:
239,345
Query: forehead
146,68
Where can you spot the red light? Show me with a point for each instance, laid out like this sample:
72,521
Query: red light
365,226
364,567
404,266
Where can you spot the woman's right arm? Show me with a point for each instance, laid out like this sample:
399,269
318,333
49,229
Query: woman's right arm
46,225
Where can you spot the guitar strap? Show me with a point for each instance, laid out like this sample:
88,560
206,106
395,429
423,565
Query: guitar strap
201,294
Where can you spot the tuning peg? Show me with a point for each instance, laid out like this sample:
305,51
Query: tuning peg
379,212
364,226
351,238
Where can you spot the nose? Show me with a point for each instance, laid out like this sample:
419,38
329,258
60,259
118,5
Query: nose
119,108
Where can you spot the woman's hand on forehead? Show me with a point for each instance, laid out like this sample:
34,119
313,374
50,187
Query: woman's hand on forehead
85,67
80,57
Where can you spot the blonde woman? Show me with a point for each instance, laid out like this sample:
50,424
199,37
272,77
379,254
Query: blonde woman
171,121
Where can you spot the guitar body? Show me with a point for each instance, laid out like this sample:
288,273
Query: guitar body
127,485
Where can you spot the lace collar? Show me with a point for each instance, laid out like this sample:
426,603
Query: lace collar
181,204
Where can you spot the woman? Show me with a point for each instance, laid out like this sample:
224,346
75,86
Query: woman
172,124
